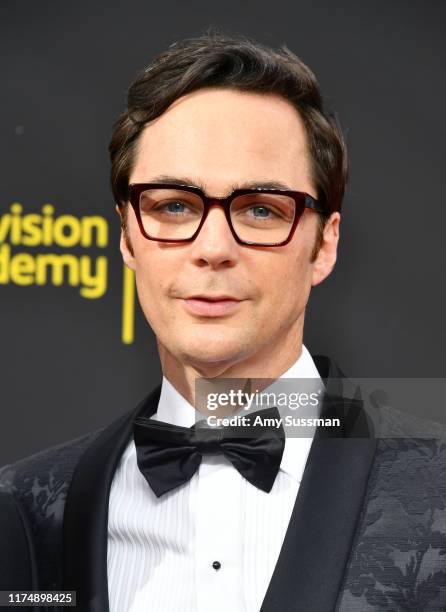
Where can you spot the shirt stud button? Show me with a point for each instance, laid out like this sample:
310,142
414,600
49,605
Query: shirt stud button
216,565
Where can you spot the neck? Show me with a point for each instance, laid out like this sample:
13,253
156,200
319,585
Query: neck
268,363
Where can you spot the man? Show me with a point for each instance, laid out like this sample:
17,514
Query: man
229,174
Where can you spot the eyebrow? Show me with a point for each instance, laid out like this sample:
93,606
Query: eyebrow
255,184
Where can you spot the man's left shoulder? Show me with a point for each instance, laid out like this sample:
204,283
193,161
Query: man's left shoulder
398,557
411,464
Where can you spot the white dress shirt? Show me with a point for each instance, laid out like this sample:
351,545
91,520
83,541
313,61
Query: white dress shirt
161,551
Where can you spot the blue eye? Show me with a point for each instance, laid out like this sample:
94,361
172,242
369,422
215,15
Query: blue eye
175,207
263,209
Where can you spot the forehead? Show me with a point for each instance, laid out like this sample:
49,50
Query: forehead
224,136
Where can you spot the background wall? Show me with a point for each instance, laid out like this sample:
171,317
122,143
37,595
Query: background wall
65,69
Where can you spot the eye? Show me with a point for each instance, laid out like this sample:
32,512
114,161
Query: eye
173,207
261,211
263,207
169,203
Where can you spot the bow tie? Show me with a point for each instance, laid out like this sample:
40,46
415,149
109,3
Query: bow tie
169,455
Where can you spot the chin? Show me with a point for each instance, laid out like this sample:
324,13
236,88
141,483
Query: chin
212,350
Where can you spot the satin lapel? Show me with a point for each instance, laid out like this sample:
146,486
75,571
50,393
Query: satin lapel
86,511
311,564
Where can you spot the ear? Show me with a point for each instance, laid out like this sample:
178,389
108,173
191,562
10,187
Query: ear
326,257
124,242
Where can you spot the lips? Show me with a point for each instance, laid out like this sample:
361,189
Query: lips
213,298
211,306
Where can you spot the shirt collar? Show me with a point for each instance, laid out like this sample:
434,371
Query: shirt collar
175,409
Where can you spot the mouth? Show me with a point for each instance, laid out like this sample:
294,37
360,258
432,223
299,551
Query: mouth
213,298
211,305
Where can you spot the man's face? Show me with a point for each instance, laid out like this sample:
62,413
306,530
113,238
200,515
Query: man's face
221,140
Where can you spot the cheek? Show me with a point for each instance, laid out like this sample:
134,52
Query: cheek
158,311
151,276
290,283
148,267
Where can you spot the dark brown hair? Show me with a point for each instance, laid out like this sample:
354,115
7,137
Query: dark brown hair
235,62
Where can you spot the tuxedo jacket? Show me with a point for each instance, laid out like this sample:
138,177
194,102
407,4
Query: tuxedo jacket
367,531
18,568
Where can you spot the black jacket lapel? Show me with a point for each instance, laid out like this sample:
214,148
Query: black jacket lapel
86,511
310,568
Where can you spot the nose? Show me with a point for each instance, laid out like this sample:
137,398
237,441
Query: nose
215,245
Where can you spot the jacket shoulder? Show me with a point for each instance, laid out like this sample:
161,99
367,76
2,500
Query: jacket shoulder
49,469
18,568
39,483
398,556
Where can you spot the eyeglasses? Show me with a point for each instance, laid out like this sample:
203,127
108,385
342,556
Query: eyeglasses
176,213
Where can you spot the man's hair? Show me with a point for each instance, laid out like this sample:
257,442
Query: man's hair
238,63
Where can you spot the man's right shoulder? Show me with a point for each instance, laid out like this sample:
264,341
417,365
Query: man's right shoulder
40,481
39,484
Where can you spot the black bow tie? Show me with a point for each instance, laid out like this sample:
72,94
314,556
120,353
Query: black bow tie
169,455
